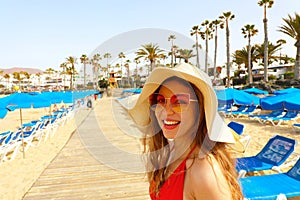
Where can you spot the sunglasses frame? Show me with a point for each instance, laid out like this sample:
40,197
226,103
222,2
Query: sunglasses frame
162,106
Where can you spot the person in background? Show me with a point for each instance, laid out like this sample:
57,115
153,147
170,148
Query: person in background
185,138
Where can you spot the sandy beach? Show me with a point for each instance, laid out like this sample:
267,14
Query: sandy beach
19,175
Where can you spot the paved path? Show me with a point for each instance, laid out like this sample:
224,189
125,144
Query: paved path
100,161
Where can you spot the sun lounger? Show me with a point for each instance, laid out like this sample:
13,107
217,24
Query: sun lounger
247,111
242,140
274,186
263,117
274,153
289,115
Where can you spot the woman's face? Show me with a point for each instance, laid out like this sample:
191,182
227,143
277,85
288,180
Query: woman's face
176,124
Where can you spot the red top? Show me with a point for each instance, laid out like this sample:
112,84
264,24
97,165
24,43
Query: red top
173,187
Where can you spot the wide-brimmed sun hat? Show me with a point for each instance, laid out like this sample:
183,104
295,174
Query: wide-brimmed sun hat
138,106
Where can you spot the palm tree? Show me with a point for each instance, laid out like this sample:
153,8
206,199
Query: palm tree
121,56
281,42
266,4
64,67
214,28
292,29
185,54
96,65
196,31
150,52
17,75
126,65
272,50
172,38
27,76
137,61
225,18
7,77
206,35
84,60
72,61
248,31
241,57
107,56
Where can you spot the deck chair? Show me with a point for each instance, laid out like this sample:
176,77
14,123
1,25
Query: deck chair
296,127
274,186
247,111
263,117
242,140
289,115
274,153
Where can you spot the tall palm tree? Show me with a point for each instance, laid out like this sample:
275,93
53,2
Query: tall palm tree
137,61
84,60
248,31
292,29
64,67
196,31
185,54
214,28
206,35
121,56
17,76
266,4
72,61
7,77
172,38
96,65
150,52
107,56
225,18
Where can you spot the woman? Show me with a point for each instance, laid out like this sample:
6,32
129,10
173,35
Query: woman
185,138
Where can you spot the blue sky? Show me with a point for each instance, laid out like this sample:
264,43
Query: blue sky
42,33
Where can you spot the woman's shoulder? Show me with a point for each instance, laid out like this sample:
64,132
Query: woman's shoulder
204,179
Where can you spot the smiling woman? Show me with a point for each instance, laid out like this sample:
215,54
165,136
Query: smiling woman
185,137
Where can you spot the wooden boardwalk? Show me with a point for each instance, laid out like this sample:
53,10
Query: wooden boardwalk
100,161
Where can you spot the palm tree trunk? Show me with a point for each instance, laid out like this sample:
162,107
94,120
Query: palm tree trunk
206,54
297,62
215,56
228,54
249,62
197,51
84,75
266,56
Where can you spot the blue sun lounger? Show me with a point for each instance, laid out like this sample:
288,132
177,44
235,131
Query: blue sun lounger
270,187
274,153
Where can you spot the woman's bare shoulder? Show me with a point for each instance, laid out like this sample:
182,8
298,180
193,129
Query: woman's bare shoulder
205,180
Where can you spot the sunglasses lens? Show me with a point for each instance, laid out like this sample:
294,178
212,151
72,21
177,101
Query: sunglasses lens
178,102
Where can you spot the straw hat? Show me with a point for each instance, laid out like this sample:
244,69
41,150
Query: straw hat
138,106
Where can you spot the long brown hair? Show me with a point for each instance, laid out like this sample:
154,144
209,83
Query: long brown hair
156,147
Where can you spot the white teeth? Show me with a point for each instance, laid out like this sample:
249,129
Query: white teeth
170,122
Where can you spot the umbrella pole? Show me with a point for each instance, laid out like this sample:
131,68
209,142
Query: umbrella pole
22,134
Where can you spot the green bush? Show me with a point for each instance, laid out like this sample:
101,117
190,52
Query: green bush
272,77
288,75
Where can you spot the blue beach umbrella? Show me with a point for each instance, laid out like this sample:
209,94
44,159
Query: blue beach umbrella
240,97
289,101
286,91
255,91
24,100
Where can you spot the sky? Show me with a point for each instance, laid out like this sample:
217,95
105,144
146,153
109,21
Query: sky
43,33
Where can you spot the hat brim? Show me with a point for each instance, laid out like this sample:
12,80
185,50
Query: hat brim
138,107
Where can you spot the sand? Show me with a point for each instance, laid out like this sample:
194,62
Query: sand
18,176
